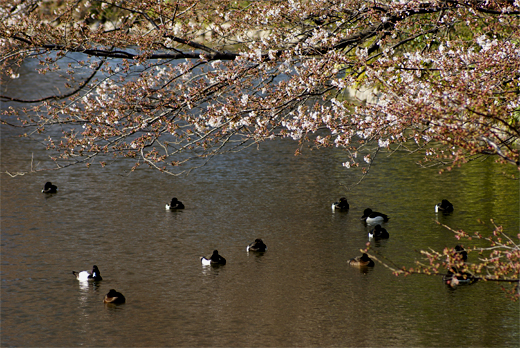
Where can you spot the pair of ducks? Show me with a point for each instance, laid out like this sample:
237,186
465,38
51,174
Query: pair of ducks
369,216
217,260
174,203
456,276
112,296
453,278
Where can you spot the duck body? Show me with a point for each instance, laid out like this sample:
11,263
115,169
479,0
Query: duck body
174,204
114,297
458,278
444,206
462,254
86,276
362,261
342,205
374,217
379,232
50,188
214,260
258,246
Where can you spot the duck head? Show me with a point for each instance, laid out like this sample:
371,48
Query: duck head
95,271
366,213
463,253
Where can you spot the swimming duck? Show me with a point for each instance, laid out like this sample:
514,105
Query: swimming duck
214,260
374,217
362,261
257,245
445,206
341,205
86,276
175,204
50,188
463,253
114,297
455,276
378,232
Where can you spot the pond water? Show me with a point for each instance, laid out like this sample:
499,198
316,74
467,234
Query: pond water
301,292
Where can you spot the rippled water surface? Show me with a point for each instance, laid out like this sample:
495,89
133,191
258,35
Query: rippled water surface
301,292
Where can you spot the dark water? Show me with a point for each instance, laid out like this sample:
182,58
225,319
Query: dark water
301,292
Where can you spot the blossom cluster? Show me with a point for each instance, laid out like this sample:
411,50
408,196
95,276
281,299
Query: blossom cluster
177,83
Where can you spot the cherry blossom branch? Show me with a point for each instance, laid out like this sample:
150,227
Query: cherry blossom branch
63,96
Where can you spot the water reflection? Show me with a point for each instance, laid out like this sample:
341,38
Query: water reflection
83,285
301,292
378,243
364,269
257,256
211,270
114,307
86,288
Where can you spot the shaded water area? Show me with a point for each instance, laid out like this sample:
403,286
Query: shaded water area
301,292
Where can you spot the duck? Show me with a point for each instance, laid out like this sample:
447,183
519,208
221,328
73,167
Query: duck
114,297
175,204
50,188
456,277
214,260
258,245
342,205
362,261
374,217
86,276
378,232
444,206
460,251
